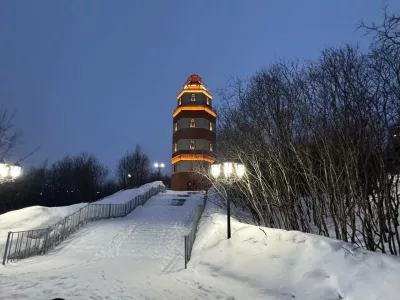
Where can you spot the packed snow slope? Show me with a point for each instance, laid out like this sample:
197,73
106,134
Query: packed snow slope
141,257
124,258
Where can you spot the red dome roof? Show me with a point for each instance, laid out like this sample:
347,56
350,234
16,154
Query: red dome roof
194,79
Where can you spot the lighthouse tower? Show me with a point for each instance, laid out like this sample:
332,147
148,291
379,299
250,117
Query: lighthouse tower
194,135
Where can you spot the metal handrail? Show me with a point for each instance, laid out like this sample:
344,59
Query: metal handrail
191,236
24,244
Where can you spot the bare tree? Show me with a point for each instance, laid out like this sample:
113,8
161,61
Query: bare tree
315,141
77,179
8,135
133,169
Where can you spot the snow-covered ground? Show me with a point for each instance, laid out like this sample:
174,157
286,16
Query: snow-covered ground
33,217
141,257
264,263
126,258
36,217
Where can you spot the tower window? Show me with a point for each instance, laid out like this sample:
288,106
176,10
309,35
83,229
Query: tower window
211,126
192,123
176,126
211,147
208,101
180,101
191,145
193,98
175,147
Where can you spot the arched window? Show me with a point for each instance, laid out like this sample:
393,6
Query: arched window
211,126
192,123
191,145
176,127
175,147
211,147
193,98
180,101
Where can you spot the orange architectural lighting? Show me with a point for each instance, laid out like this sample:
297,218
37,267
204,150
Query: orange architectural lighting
187,157
194,89
204,108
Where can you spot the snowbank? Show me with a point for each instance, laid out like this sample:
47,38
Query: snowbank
264,263
35,217
124,196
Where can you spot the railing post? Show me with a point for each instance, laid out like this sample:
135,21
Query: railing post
46,240
6,250
186,250
109,210
79,219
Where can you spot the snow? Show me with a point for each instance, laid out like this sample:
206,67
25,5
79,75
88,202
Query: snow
265,263
124,196
33,217
124,258
141,257
36,217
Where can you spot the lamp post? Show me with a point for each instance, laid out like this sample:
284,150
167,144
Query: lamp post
232,172
159,167
9,172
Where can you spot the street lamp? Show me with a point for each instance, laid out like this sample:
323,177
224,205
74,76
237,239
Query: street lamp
232,172
9,172
159,167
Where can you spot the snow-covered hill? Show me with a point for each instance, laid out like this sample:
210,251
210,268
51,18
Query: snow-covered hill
36,217
141,257
264,263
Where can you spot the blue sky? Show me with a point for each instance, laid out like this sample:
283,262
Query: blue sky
102,76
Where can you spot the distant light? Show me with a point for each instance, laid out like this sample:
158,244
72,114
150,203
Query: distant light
129,175
162,165
98,192
156,165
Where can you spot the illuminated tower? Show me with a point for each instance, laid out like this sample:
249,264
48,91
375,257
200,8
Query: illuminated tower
194,135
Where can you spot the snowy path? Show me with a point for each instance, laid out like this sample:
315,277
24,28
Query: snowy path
112,259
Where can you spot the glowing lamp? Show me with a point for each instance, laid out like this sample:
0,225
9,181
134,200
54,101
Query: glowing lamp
228,169
215,170
240,170
3,169
15,171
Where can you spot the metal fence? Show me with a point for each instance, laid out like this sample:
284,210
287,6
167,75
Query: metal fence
190,238
23,244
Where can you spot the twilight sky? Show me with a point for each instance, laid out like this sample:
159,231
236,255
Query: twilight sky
102,76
